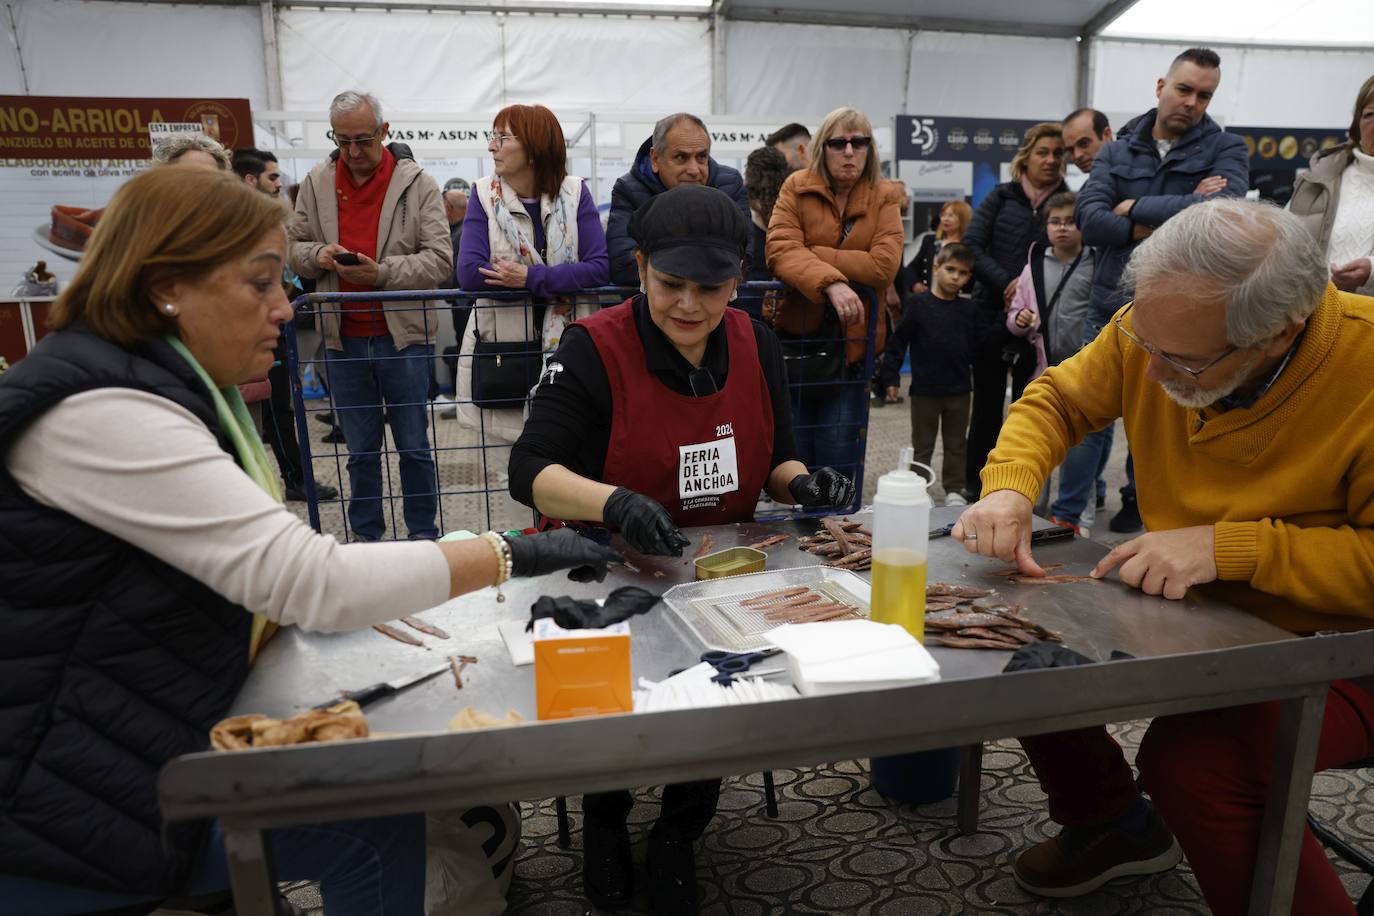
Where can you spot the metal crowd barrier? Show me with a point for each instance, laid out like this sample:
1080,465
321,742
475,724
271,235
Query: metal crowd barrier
479,452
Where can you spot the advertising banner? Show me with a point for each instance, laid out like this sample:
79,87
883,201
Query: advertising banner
1277,154
68,127
62,158
938,143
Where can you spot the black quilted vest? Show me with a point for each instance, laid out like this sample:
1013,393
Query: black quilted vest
111,661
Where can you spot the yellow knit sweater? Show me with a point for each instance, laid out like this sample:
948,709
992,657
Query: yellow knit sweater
1288,482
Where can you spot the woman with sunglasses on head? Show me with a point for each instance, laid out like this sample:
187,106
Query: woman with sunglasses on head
833,225
530,226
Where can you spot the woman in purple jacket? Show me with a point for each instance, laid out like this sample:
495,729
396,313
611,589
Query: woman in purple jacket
530,226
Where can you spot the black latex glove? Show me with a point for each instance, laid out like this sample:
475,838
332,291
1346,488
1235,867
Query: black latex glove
537,554
826,487
571,614
644,524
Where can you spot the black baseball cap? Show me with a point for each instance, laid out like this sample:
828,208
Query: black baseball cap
694,232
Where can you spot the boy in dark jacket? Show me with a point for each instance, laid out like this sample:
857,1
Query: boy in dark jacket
941,329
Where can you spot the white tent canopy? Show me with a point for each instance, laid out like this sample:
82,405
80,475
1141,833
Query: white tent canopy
740,57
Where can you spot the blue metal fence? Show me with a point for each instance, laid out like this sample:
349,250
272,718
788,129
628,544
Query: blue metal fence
491,455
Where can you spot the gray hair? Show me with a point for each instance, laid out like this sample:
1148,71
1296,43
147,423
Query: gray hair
1257,257
175,147
352,100
665,125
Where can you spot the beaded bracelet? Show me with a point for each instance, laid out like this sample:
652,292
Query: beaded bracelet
503,557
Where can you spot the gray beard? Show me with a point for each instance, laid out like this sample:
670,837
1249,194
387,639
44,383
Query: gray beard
1191,396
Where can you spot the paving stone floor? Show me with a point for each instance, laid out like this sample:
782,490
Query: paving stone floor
838,846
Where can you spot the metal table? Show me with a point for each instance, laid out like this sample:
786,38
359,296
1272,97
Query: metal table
1191,655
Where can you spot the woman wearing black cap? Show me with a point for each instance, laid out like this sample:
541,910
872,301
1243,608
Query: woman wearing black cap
667,410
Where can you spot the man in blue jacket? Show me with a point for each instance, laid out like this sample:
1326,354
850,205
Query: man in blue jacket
1162,162
679,152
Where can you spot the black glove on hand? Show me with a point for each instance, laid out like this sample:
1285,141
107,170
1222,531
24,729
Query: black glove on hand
644,524
537,554
826,487
571,614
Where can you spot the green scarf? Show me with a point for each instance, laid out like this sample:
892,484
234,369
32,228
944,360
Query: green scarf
238,425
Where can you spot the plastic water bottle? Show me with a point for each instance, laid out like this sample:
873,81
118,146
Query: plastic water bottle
901,536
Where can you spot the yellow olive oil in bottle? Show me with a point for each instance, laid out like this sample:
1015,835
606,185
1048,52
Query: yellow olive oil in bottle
901,535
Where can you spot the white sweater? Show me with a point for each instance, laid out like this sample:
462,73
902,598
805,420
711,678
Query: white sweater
147,471
1352,231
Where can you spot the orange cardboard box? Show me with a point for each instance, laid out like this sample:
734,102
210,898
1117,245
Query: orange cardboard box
581,672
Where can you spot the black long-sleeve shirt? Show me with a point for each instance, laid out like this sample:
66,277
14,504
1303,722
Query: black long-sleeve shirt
570,415
941,334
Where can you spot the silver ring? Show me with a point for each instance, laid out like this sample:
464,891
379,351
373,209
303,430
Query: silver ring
971,536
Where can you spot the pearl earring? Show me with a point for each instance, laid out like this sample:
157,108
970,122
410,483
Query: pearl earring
170,309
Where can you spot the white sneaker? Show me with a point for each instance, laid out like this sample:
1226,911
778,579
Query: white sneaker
955,499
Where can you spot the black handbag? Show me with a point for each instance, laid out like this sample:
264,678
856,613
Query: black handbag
503,372
815,357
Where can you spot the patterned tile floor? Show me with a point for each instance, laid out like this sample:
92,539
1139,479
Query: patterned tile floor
837,846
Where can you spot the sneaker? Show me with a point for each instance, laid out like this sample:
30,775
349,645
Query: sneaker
1069,525
323,491
334,435
672,869
1128,519
323,416
1101,503
1081,859
955,499
608,872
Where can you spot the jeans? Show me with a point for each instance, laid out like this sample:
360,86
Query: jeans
370,379
1208,774
1079,473
829,427
370,867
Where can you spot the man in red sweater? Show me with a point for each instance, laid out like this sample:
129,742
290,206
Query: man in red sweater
369,218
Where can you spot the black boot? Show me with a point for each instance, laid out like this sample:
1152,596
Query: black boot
672,877
1128,519
608,872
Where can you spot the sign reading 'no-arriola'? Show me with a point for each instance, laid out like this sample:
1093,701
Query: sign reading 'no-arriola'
70,127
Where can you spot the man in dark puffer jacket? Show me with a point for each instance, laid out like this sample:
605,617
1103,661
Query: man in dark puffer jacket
679,152
1161,163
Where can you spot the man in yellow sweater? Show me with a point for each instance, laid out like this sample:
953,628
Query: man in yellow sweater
1246,385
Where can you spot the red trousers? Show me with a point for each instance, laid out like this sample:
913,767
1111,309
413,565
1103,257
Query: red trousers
1208,774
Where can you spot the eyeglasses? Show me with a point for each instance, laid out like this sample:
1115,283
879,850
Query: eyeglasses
342,142
1164,357
1057,223
500,139
839,143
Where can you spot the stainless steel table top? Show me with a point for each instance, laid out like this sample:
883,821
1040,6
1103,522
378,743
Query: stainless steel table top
297,670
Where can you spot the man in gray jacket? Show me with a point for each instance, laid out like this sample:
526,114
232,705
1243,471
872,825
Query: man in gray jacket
369,218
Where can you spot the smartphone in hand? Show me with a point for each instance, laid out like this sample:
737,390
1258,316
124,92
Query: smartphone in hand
349,258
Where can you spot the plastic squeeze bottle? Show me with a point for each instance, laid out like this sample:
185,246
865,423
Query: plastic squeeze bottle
901,535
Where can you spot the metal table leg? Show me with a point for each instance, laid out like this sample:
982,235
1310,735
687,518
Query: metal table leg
1285,809
970,787
250,870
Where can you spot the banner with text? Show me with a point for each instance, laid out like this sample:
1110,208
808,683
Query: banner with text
70,127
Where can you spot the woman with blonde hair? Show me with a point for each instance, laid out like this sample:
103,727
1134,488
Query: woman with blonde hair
954,220
834,225
141,576
1008,221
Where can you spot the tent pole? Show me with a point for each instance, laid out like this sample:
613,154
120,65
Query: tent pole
272,61
18,49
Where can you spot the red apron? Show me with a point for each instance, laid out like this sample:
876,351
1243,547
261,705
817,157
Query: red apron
704,459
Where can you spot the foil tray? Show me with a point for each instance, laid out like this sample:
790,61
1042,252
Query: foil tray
711,609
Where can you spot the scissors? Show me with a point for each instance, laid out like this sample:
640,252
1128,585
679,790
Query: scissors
728,665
